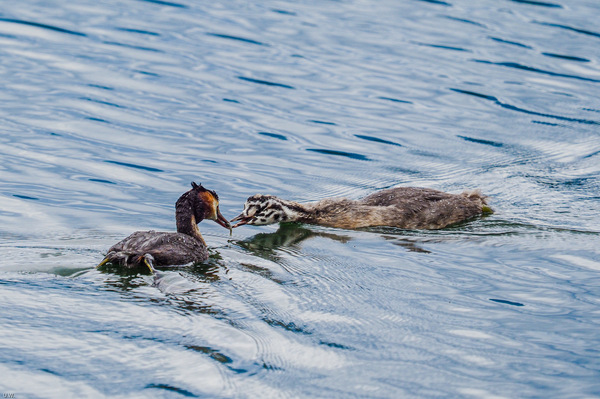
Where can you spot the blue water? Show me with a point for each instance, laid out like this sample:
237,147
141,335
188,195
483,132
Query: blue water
109,109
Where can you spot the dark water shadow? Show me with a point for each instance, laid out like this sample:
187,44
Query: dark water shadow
506,302
236,38
125,272
566,57
409,245
523,110
570,28
266,82
42,26
376,140
140,31
443,47
527,68
172,389
513,43
274,135
538,3
289,235
134,47
438,2
135,166
480,227
166,3
351,155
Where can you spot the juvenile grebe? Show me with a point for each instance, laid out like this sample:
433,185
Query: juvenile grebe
155,248
403,207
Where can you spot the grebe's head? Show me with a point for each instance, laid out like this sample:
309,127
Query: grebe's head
204,204
264,209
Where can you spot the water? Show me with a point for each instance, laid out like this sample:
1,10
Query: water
110,109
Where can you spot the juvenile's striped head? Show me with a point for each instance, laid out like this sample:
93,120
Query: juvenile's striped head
266,209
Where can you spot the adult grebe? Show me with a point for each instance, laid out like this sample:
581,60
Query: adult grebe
155,248
403,207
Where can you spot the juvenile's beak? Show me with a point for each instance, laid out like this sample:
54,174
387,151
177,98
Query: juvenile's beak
222,221
242,220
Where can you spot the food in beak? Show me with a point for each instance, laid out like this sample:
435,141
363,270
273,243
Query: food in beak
242,220
222,221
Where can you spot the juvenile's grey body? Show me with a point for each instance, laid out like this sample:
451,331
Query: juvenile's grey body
403,207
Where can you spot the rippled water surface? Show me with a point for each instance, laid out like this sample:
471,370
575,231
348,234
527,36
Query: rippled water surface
109,109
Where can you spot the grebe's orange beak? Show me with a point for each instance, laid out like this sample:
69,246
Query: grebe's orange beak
222,221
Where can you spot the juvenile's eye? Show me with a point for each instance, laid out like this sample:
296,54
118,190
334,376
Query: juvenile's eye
251,210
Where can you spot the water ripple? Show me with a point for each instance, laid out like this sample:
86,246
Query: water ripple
140,31
566,57
510,42
238,38
274,135
538,3
376,139
444,47
170,388
537,70
165,3
467,21
110,109
515,108
131,165
440,2
351,155
504,301
481,141
570,28
43,26
265,82
134,47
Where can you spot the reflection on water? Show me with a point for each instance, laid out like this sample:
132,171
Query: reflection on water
288,235
110,109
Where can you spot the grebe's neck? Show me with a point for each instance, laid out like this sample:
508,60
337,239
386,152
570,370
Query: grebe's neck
186,222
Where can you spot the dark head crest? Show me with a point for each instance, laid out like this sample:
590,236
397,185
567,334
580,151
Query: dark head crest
200,189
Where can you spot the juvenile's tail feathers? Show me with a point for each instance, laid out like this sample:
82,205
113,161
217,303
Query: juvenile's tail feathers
476,195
